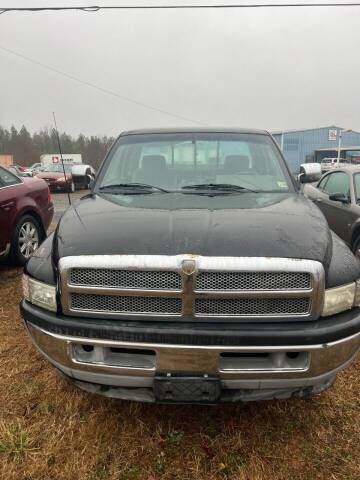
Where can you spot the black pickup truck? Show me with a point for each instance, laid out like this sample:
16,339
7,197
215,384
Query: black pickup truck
195,271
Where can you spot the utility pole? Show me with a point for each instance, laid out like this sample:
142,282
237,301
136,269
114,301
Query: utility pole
339,144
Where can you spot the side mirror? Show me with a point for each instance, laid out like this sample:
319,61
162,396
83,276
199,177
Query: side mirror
339,197
310,172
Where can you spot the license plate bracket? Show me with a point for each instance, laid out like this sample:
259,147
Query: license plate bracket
177,389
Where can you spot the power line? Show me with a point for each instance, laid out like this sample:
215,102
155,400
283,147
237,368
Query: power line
96,8
99,88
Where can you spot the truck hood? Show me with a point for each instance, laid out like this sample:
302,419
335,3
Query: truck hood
248,224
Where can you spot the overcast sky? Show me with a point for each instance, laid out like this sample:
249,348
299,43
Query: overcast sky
262,68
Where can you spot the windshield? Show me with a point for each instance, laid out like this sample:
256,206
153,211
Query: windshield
56,168
189,162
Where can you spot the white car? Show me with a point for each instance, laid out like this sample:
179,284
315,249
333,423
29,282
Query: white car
35,167
330,163
82,175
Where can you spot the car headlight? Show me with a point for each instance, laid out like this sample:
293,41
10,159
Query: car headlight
61,179
342,298
39,293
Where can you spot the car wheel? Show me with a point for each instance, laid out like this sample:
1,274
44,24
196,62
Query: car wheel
356,247
26,239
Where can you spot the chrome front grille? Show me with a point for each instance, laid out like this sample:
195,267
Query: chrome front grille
111,303
134,279
185,286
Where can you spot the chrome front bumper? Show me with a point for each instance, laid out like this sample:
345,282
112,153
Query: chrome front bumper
113,367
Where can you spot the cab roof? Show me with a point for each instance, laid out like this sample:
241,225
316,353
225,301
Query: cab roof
161,131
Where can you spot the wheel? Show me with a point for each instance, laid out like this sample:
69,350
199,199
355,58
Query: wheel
88,181
26,239
72,187
356,247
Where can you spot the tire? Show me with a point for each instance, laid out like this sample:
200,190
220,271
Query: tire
26,239
356,247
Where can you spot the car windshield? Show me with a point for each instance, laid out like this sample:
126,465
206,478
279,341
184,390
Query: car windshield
193,163
56,168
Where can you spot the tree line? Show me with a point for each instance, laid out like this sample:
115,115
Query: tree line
27,148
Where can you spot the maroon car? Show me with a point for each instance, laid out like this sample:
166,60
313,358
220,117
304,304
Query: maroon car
53,175
26,211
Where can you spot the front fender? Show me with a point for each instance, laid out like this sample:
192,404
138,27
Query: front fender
40,265
344,267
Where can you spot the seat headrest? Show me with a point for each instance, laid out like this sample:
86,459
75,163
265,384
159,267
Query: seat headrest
153,162
236,163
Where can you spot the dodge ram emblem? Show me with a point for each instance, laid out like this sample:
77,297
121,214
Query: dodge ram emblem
188,267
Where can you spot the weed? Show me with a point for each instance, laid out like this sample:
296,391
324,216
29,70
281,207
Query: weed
160,463
232,463
210,427
50,407
174,438
101,472
14,442
130,473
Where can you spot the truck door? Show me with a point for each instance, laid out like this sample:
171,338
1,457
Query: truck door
339,215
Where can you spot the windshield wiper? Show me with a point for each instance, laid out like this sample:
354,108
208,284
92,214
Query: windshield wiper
135,186
219,186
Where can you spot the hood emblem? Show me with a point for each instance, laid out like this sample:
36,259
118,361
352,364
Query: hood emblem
188,267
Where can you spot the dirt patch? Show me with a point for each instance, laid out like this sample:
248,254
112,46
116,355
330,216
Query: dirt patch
50,430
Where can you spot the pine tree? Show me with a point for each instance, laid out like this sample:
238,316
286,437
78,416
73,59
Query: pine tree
27,148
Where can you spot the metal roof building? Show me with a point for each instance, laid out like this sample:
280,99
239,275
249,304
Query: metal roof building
299,146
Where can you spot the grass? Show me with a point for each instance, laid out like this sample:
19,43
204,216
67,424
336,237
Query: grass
14,441
51,431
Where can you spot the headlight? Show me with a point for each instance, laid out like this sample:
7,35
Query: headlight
39,293
342,298
61,179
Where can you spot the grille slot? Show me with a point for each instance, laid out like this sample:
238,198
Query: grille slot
131,279
252,306
253,281
114,304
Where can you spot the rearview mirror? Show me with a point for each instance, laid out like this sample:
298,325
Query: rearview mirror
339,197
309,172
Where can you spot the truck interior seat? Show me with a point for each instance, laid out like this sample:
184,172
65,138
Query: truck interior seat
154,170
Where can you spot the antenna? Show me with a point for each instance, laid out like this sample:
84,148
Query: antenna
61,155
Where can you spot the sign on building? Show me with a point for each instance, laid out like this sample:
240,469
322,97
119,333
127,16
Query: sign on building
333,135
